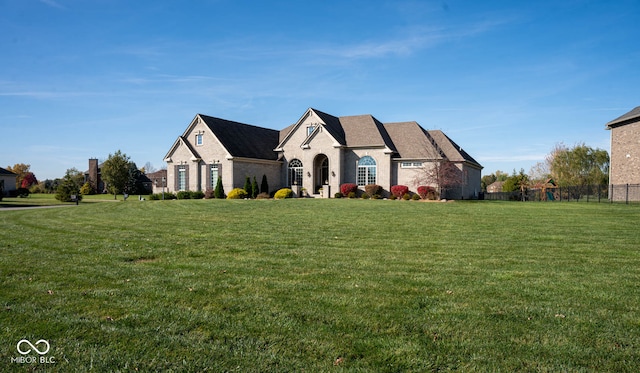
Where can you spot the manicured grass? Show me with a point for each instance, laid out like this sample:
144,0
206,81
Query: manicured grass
323,286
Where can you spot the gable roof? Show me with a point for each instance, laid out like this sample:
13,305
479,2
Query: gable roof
630,117
365,130
451,150
6,172
412,141
244,140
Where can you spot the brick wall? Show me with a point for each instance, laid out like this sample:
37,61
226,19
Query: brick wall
625,154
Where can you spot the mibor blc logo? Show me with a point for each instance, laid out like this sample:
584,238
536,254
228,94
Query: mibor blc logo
25,348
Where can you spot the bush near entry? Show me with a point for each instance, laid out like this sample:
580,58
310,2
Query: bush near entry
283,193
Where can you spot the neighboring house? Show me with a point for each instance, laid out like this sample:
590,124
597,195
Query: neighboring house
94,177
158,181
7,181
625,148
495,187
318,153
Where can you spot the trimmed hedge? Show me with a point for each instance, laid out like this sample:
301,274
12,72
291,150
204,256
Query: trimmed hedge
347,188
283,193
399,190
427,192
237,193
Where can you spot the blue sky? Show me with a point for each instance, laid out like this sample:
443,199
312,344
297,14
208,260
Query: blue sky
506,80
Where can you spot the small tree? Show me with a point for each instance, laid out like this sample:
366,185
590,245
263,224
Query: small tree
86,189
116,173
254,188
218,192
247,186
68,187
28,180
517,182
264,186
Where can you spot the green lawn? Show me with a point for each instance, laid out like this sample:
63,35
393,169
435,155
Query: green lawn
323,286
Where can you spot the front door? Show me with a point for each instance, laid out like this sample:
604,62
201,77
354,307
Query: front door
321,172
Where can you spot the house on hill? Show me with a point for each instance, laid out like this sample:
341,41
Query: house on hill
319,152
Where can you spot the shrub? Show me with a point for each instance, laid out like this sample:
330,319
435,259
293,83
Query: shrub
237,193
169,195
393,197
283,193
337,195
183,194
86,189
406,197
247,187
22,192
415,197
264,186
262,196
197,194
155,197
254,188
365,196
218,192
209,193
352,195
373,189
427,192
347,188
399,190
376,196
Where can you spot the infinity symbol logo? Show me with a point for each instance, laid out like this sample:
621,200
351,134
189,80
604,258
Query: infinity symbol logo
46,344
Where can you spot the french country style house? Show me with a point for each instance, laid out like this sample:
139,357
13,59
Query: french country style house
315,155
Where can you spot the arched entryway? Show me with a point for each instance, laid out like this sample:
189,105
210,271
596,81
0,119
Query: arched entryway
320,172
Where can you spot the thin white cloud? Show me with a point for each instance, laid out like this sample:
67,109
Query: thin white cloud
53,4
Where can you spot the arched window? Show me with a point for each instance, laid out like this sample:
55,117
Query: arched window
295,172
367,170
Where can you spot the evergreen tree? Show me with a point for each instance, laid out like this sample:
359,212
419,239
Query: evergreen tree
264,187
218,192
67,188
247,186
254,188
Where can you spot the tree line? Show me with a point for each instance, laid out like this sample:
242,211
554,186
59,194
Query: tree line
580,165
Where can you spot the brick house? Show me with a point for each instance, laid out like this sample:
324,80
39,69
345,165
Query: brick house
319,152
625,148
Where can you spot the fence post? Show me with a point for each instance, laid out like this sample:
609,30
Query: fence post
627,196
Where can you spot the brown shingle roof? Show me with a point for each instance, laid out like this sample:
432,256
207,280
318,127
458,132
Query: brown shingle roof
451,150
412,141
630,117
244,140
365,130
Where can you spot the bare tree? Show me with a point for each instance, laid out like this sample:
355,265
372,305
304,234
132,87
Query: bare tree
438,171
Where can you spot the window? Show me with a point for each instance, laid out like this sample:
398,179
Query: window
411,164
182,178
366,171
199,139
310,129
295,172
214,176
